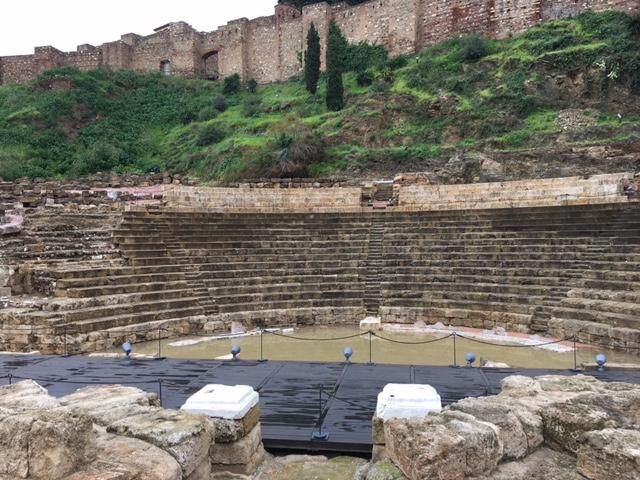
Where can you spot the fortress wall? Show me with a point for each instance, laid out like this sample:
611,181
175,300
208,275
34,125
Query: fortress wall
263,46
116,55
513,16
176,43
320,15
290,41
233,57
86,58
443,20
18,69
391,23
566,8
270,48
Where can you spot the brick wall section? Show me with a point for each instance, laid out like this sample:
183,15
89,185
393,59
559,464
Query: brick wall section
269,48
528,193
263,199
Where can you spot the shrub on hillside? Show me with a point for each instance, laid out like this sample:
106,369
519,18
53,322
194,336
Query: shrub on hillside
252,107
207,113
364,79
210,135
98,157
473,48
220,103
231,84
361,56
293,154
398,62
252,85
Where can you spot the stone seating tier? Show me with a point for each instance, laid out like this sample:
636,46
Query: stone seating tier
548,269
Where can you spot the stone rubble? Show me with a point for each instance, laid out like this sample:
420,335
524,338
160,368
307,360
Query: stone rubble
114,433
551,427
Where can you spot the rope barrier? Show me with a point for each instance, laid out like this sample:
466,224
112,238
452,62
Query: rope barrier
315,339
426,342
515,345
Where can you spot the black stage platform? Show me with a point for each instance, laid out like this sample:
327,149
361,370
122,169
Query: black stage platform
289,391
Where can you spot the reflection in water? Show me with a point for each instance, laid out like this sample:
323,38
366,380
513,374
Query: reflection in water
439,353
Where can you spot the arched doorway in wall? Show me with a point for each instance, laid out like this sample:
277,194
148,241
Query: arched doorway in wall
210,68
165,67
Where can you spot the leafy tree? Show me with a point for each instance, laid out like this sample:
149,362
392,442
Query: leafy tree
232,84
337,48
312,60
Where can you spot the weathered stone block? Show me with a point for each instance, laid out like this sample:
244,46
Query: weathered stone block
240,452
187,438
451,445
610,454
124,458
228,431
44,445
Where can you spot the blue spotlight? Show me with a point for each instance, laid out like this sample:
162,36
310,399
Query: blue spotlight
348,353
127,348
471,357
235,351
601,360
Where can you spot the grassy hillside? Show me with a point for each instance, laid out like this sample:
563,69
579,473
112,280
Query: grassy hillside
459,97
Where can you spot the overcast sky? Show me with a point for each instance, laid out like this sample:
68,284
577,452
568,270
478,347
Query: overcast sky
66,24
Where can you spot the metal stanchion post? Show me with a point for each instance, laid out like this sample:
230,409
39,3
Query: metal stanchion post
370,349
261,346
160,390
159,356
319,434
455,351
575,355
10,379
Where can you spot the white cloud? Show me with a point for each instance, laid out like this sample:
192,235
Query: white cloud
64,24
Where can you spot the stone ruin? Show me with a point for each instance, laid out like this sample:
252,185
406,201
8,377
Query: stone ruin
137,259
267,49
551,427
108,432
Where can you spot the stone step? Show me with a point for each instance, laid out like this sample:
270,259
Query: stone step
118,321
119,289
265,288
291,305
276,279
615,320
134,308
119,280
623,308
389,287
225,301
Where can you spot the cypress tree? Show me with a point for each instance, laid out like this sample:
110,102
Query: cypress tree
312,60
336,50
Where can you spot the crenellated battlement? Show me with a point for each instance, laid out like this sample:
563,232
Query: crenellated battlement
269,48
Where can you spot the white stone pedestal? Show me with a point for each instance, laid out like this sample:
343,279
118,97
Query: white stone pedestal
401,401
235,410
371,323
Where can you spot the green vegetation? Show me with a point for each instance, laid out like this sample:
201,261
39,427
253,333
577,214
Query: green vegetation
337,48
464,95
312,60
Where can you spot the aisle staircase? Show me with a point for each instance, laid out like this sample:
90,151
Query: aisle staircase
374,268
